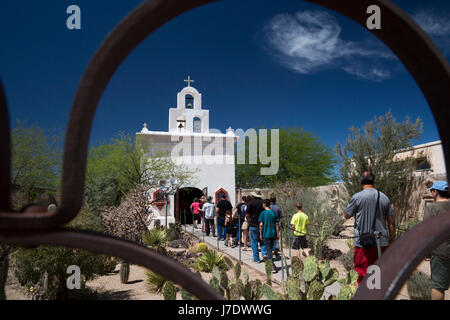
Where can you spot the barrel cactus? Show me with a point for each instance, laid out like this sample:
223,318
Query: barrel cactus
419,287
202,247
124,271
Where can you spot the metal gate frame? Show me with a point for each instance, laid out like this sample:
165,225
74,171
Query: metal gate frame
399,32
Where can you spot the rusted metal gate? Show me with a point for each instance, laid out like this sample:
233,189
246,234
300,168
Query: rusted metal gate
399,32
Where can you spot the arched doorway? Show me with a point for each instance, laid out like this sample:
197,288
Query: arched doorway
183,200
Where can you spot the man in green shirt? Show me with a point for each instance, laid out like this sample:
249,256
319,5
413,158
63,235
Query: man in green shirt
440,257
299,224
268,229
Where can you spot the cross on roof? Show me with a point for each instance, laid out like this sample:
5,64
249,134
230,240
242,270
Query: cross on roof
189,81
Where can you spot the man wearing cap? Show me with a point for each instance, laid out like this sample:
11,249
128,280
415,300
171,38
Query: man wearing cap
440,257
254,209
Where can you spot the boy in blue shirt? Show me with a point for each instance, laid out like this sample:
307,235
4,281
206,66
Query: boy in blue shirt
268,229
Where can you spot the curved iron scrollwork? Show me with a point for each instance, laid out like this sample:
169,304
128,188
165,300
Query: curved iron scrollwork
399,32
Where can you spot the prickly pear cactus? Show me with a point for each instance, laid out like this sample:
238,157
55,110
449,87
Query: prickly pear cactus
245,276
350,278
234,292
229,262
315,290
124,271
224,279
215,284
186,295
311,269
331,278
419,287
347,292
270,294
324,268
292,288
269,269
169,291
348,286
296,266
237,270
257,287
287,266
217,273
247,291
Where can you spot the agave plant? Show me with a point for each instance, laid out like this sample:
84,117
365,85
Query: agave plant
156,238
210,259
155,282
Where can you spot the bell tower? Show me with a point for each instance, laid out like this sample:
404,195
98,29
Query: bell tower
188,117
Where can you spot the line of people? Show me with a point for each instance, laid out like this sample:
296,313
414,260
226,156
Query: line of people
254,223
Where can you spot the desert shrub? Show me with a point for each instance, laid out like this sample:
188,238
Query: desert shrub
210,259
406,226
324,220
31,266
45,267
129,219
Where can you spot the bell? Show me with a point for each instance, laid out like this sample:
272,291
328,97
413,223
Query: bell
189,105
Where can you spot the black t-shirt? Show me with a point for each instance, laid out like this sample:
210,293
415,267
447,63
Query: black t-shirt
254,208
224,206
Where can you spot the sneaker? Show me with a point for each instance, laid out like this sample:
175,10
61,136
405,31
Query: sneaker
234,245
226,244
275,270
214,236
244,248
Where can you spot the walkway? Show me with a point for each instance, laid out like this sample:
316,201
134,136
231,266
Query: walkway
246,258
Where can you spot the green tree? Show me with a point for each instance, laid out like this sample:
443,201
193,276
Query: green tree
35,170
302,159
115,169
376,146
36,163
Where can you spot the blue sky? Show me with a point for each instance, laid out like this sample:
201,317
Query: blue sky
257,63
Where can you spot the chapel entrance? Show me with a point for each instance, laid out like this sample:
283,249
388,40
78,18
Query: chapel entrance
183,200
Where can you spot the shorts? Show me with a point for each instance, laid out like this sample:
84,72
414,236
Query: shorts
230,229
197,217
363,258
440,273
299,242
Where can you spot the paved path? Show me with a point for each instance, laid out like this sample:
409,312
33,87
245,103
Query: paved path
246,258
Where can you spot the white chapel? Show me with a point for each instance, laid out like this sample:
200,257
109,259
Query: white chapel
191,142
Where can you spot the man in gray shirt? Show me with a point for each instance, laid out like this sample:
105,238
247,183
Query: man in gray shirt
363,206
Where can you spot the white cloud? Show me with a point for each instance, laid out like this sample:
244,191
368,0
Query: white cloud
434,24
437,25
311,40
